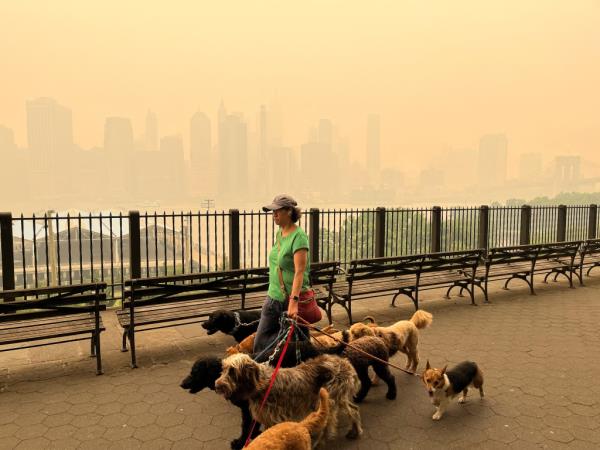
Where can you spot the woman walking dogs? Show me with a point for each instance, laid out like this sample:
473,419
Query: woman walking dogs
289,270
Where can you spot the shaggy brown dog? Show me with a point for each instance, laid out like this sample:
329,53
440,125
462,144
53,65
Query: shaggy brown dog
295,435
402,336
295,391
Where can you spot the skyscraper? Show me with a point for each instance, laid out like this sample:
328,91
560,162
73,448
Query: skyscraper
492,164
7,139
233,157
118,136
200,140
49,133
373,146
151,134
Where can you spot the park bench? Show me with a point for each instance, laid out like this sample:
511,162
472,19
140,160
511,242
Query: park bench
160,302
405,275
523,262
52,315
589,257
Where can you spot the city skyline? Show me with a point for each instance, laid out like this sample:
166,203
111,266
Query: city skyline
244,163
439,75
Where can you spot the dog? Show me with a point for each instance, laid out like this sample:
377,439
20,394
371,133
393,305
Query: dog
204,374
239,324
246,346
374,346
295,390
402,336
295,435
443,385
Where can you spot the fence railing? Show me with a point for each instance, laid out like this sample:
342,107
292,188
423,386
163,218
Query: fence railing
55,250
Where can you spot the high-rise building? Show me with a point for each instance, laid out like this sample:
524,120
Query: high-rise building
326,134
373,146
200,140
49,134
151,134
171,150
7,139
118,136
233,157
530,167
492,161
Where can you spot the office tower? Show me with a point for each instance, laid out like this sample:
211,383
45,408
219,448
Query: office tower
49,134
151,134
492,162
7,139
200,140
118,136
233,157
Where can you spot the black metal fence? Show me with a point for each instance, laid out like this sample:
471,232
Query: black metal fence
54,250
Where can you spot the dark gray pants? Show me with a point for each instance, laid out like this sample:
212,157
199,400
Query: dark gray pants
269,327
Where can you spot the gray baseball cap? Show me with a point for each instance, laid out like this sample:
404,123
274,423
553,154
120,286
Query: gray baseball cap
281,201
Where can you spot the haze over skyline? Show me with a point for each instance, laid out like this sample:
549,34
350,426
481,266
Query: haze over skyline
439,74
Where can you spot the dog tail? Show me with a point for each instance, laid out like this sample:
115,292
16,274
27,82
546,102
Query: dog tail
369,319
315,422
421,319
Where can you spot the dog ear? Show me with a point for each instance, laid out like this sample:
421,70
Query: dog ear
427,366
444,369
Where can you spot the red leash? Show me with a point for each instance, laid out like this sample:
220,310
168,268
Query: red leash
277,367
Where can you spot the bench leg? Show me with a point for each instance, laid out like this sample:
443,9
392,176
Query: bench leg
124,346
348,307
93,346
131,335
98,354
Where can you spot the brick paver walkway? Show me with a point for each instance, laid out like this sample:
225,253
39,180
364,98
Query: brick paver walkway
540,355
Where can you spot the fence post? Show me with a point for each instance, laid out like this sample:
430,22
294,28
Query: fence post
484,227
436,229
135,258
593,222
234,239
8,257
379,232
561,226
314,234
525,231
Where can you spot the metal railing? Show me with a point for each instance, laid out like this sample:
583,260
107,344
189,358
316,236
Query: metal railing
56,250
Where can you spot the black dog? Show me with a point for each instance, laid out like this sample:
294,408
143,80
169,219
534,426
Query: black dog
204,373
239,324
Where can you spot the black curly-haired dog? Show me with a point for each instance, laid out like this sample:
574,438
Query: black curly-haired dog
239,324
204,373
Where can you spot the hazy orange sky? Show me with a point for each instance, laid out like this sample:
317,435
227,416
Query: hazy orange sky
439,72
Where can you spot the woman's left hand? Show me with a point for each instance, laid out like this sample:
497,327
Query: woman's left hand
292,309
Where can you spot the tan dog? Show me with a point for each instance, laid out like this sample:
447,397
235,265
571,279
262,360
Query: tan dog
246,346
443,385
402,336
295,435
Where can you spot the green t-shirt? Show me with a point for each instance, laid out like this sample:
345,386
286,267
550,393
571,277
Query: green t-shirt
290,244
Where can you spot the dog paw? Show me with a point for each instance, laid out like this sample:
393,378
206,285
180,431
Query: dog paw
237,444
391,396
353,434
462,400
436,416
358,399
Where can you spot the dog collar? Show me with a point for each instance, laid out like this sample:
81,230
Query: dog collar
238,323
